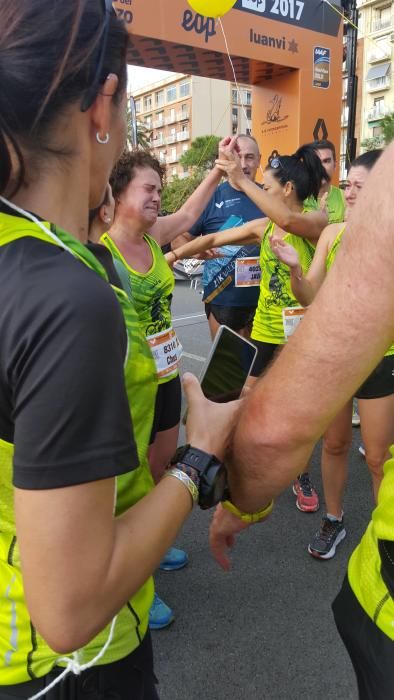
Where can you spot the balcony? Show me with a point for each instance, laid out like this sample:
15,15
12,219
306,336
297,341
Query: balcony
171,118
379,53
158,123
378,112
171,139
181,116
379,84
183,136
172,159
382,23
158,142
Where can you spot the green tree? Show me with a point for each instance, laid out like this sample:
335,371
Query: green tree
387,135
143,133
202,153
178,190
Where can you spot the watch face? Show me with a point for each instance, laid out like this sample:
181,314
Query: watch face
213,486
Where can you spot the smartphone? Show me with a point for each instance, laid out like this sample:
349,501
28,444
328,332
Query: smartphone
228,366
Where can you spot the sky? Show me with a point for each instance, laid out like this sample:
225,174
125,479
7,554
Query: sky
139,77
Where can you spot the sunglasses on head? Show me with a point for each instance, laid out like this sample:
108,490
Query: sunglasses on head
275,163
92,91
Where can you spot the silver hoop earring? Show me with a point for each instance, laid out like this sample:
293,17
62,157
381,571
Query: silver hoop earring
103,141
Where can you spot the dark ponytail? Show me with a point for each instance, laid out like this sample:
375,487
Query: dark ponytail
304,169
48,60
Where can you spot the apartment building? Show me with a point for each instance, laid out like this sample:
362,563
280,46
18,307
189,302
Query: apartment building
181,107
377,28
375,96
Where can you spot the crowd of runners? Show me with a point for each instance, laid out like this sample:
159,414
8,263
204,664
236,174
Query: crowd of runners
90,392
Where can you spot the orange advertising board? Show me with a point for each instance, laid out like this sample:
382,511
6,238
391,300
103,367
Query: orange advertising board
290,51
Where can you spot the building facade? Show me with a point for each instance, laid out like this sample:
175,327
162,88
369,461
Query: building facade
375,98
181,107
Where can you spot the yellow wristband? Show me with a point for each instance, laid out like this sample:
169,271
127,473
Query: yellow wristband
249,517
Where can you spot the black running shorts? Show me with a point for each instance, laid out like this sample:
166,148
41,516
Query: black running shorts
167,407
380,382
235,317
265,354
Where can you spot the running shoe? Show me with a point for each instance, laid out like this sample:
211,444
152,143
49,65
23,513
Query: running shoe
160,614
361,450
355,419
327,538
174,559
307,498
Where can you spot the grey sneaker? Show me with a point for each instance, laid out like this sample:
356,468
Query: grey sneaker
327,538
355,419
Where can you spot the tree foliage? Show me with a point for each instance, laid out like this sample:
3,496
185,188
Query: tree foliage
387,135
202,153
178,190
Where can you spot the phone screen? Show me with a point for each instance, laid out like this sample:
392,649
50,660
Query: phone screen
228,367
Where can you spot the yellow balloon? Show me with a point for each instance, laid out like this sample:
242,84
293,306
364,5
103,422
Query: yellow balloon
211,8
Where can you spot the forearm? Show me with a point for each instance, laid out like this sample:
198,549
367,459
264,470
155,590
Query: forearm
301,287
345,333
196,203
112,557
246,234
309,225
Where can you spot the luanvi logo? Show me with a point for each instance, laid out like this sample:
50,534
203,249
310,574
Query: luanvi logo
273,42
273,113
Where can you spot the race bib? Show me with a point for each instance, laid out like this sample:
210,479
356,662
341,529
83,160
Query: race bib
292,317
166,350
247,272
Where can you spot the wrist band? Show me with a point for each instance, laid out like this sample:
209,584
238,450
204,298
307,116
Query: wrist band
186,480
249,517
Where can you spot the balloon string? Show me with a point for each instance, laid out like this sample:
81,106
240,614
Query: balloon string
220,23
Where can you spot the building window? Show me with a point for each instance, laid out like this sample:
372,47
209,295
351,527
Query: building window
248,114
248,97
174,172
184,88
147,103
173,155
171,93
138,106
162,156
159,98
377,131
382,18
234,96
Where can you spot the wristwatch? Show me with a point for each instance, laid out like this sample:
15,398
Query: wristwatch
209,475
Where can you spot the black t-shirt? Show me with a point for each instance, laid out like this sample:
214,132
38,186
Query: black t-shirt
63,401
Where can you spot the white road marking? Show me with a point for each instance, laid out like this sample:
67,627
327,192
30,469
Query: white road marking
186,318
190,356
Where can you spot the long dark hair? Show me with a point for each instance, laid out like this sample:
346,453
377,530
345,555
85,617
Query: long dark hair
303,169
49,57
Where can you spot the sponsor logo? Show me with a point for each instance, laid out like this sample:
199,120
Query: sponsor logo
193,22
274,111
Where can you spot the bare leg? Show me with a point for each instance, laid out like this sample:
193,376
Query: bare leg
336,443
377,431
161,451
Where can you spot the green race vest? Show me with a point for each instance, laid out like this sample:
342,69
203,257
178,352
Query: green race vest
24,655
275,287
151,291
335,204
364,565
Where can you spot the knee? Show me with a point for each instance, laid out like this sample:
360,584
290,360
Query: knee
375,460
336,447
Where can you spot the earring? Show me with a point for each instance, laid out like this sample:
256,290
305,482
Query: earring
107,219
103,141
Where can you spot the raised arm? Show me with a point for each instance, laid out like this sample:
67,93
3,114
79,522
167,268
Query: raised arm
251,232
308,225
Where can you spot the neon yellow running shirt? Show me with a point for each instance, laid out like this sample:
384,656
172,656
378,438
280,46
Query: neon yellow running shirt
24,653
335,205
152,293
275,287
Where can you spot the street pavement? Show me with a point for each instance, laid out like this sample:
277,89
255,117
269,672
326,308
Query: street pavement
265,630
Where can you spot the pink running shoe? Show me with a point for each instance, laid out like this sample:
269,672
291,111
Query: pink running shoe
307,498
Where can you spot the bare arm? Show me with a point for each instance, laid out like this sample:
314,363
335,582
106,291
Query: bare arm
343,337
308,225
167,228
80,564
252,232
305,287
